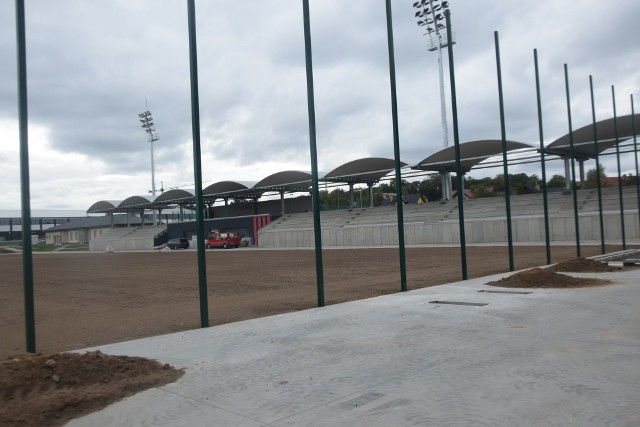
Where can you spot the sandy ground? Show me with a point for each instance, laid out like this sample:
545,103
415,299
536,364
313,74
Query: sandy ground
88,299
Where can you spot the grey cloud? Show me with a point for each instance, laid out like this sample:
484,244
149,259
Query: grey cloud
88,81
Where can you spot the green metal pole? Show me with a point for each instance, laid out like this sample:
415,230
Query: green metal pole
507,190
317,230
27,255
635,151
615,126
197,166
396,150
597,151
574,189
456,141
545,200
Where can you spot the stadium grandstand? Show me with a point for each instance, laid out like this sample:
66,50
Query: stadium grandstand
261,211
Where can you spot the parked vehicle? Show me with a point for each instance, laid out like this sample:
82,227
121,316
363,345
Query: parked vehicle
181,243
223,240
246,241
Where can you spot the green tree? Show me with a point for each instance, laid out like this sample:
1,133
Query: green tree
483,187
556,181
431,187
387,188
592,175
334,199
522,183
631,180
377,196
411,187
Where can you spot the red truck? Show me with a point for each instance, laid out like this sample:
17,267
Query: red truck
223,240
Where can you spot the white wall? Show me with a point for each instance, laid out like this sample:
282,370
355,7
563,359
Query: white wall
524,230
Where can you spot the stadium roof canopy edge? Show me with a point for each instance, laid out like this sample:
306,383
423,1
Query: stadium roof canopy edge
104,206
368,170
371,170
135,203
293,181
173,196
471,154
584,142
230,189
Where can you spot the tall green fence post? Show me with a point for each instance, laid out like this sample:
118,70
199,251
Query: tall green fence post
197,166
23,120
396,149
505,166
574,189
615,126
635,151
597,152
456,140
317,231
545,199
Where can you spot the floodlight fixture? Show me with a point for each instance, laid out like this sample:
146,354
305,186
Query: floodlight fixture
432,22
147,124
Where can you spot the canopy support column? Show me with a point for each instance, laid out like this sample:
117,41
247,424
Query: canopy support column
447,191
567,175
351,196
282,202
370,185
210,211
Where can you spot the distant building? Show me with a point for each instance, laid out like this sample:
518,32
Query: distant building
85,229
613,181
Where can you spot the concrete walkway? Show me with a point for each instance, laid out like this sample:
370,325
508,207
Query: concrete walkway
547,358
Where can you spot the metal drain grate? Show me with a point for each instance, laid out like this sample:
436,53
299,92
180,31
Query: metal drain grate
477,304
507,292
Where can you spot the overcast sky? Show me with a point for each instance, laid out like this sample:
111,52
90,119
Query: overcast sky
93,66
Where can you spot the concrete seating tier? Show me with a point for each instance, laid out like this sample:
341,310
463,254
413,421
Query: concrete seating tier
437,223
127,238
115,232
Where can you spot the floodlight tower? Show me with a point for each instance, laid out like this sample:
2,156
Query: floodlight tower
147,124
430,15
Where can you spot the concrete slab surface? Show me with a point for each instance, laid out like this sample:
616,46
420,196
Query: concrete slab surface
552,357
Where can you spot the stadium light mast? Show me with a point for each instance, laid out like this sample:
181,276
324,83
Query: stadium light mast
147,124
430,15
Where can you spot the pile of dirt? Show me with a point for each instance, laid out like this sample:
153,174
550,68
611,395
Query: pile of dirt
583,265
41,389
543,278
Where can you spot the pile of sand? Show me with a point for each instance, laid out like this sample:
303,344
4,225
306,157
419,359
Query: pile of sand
583,265
544,278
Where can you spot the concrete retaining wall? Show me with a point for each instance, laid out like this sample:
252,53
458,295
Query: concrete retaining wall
121,244
524,230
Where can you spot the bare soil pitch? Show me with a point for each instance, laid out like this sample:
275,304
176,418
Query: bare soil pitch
88,299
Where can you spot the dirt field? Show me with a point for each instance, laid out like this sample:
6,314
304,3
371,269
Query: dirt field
87,299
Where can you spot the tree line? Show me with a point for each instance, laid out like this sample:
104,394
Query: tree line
431,188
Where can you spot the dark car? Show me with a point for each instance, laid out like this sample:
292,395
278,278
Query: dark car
181,243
